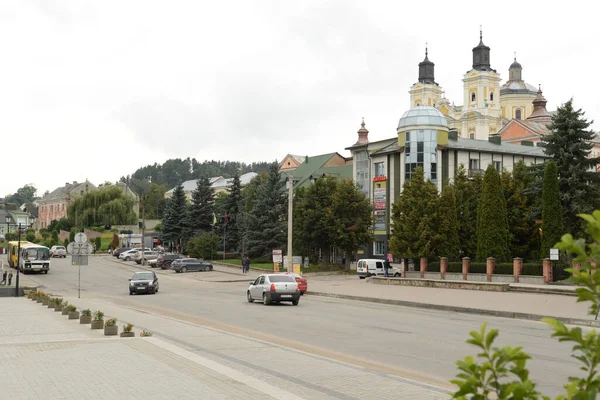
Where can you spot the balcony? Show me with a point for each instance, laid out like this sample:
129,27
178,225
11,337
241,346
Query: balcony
475,172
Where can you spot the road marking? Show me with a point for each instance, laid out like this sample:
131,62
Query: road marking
231,373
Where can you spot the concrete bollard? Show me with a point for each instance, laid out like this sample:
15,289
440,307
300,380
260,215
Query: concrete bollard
517,268
466,265
423,266
404,267
490,264
547,267
443,267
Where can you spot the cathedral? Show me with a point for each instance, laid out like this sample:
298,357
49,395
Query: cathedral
487,105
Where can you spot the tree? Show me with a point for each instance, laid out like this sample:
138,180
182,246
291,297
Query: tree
30,237
501,372
203,246
492,222
98,243
351,214
467,197
102,207
234,208
154,201
175,214
570,144
268,218
552,214
199,217
115,241
55,238
61,224
23,195
445,235
413,218
45,233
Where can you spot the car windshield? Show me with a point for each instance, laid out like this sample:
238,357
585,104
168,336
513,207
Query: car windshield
190,260
142,276
281,278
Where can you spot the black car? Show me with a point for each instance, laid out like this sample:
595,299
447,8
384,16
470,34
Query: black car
164,261
191,264
143,282
119,251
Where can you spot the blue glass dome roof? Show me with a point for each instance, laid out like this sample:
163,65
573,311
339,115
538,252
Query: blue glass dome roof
422,116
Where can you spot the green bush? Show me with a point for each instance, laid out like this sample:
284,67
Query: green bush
11,236
126,231
30,237
98,243
66,243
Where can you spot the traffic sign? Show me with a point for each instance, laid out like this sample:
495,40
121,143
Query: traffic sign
80,238
71,248
80,249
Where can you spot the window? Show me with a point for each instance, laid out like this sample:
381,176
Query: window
518,114
421,152
362,171
379,169
498,166
473,97
491,96
473,163
262,280
472,135
379,248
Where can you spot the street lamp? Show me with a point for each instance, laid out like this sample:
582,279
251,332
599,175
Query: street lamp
18,266
290,216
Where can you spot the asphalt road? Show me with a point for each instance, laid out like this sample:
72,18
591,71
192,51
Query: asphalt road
415,343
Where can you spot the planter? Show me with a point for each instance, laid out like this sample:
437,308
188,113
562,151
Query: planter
127,334
73,314
111,330
65,311
44,302
58,307
85,319
98,324
39,300
51,305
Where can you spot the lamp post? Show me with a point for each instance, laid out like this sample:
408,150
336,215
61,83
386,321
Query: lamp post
290,216
18,266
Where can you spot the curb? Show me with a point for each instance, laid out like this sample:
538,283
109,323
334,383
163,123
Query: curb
466,310
559,292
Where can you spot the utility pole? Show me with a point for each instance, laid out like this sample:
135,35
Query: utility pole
290,214
143,225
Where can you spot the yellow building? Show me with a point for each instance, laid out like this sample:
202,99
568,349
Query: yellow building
487,106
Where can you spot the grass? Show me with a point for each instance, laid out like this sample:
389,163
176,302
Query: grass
311,268
267,266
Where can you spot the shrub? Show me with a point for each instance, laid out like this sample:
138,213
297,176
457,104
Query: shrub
110,322
71,308
86,313
98,315
66,243
11,236
98,243
58,301
127,328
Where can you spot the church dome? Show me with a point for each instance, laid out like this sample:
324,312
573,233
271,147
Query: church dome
422,116
515,65
517,87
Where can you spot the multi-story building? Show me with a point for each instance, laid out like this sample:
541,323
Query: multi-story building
218,183
53,206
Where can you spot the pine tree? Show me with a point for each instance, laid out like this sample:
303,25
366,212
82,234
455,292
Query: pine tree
351,216
570,145
467,197
552,214
445,236
175,214
234,208
413,218
492,222
267,221
199,216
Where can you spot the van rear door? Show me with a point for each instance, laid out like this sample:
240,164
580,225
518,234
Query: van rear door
361,269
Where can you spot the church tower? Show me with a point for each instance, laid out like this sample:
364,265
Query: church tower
481,113
516,95
426,92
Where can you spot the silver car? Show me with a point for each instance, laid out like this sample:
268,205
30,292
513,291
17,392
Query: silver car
274,288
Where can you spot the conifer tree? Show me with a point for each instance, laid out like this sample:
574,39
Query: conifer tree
234,208
467,197
552,215
175,214
199,216
492,222
570,145
445,237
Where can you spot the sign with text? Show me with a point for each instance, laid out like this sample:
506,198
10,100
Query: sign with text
380,224
277,256
380,178
554,256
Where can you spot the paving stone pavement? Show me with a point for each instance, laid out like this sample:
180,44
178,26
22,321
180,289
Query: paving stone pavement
43,355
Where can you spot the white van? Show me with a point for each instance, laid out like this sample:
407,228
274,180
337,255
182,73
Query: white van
374,267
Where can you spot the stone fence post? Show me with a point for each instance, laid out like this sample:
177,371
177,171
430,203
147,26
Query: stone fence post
443,267
466,264
423,268
517,268
490,264
547,268
404,267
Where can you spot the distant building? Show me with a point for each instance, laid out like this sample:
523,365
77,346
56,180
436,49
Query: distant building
218,183
290,162
16,217
320,166
53,206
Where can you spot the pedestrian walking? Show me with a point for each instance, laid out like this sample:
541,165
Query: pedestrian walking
9,278
386,267
247,264
4,278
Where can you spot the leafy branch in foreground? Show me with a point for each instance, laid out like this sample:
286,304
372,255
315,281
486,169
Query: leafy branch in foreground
501,373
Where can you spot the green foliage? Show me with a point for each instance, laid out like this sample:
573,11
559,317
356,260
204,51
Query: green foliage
199,216
115,241
154,201
72,234
492,222
351,214
30,237
174,217
552,215
105,206
61,224
234,208
66,242
267,220
445,226
23,195
98,243
467,197
203,246
503,371
11,236
55,238
570,145
45,233
413,218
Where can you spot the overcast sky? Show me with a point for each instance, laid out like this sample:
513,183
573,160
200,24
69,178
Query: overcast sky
97,89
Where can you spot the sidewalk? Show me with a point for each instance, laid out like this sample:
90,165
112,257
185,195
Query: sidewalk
535,305
45,355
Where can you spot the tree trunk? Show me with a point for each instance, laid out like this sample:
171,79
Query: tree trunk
347,258
325,252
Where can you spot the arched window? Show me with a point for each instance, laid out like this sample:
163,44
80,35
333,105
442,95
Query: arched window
518,114
491,96
472,135
473,97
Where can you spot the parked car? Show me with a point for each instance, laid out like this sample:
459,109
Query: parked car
191,264
143,282
164,260
374,267
130,254
301,281
274,288
58,251
120,250
148,255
